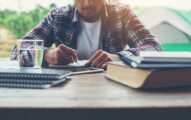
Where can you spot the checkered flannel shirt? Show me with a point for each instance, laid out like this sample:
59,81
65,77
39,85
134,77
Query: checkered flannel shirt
120,27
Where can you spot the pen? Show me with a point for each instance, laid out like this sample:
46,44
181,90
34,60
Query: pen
62,43
77,62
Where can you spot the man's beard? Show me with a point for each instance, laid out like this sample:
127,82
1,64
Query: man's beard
91,18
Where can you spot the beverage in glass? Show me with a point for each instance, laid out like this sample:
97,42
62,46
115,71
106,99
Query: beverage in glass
30,53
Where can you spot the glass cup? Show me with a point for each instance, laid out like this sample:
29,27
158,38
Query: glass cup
30,53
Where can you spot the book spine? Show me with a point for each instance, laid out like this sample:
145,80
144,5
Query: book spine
128,61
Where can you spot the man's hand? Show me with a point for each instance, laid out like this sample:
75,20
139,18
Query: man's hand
62,55
100,59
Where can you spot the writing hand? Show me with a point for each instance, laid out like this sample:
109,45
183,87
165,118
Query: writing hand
62,55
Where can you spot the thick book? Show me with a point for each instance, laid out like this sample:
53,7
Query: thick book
148,78
34,74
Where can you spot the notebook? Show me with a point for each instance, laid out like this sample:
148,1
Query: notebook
77,69
32,78
25,83
34,74
81,64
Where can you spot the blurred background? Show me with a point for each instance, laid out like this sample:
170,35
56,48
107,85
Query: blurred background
168,20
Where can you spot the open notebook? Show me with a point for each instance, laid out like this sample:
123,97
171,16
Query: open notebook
78,68
81,64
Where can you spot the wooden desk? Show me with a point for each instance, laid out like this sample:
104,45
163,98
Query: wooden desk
94,97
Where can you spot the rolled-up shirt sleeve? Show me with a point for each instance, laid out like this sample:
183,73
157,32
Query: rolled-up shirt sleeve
136,35
43,31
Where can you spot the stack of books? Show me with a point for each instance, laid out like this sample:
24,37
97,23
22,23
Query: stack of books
159,60
32,78
152,70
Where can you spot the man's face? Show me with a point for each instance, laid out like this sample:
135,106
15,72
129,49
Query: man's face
89,9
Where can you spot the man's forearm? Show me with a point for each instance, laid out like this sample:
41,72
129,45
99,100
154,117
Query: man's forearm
147,47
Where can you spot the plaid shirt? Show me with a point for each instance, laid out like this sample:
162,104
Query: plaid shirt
120,27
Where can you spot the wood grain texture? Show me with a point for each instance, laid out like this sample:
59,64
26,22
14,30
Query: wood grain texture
93,91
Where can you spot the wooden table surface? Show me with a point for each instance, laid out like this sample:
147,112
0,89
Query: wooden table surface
92,93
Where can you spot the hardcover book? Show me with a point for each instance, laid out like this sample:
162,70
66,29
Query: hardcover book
148,78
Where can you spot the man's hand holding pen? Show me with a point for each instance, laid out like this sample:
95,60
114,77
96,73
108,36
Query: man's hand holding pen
62,55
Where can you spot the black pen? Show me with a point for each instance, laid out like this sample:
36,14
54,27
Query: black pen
63,43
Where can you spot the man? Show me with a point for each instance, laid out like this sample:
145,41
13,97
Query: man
94,30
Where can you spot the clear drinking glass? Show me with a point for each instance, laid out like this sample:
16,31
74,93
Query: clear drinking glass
30,53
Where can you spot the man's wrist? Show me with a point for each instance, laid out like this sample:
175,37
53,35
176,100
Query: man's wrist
125,53
115,57
45,62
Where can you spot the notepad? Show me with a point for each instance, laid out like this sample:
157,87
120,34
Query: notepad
77,69
81,64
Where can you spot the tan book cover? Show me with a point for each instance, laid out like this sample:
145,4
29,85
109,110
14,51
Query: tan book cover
144,78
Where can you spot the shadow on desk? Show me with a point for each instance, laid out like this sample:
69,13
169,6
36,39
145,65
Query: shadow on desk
97,114
181,89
